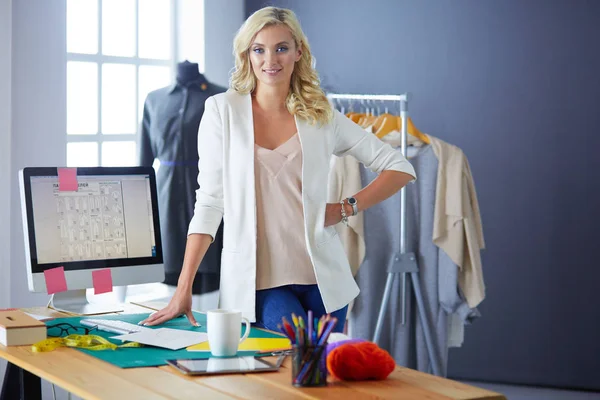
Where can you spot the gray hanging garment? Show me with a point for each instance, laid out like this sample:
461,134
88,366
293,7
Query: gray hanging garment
169,132
437,272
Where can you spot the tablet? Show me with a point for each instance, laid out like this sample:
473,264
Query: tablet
214,366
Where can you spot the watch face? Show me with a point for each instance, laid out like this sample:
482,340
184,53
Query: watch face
351,200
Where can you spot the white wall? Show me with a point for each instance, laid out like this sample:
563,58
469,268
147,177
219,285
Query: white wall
36,107
38,120
39,108
39,101
38,113
223,19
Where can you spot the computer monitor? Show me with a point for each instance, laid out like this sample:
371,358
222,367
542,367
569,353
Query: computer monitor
110,221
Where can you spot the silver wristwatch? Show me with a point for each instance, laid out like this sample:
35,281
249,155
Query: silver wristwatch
352,201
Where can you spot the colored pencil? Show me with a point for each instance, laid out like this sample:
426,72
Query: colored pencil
309,339
310,327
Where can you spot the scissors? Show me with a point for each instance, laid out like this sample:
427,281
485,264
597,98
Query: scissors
282,354
287,352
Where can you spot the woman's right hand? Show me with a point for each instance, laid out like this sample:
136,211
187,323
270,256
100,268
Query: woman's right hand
181,303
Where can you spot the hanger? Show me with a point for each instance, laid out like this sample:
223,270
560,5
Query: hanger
369,116
337,103
350,108
353,115
361,117
373,116
393,123
385,124
412,130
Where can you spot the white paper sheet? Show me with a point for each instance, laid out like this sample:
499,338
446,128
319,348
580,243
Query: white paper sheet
173,339
39,317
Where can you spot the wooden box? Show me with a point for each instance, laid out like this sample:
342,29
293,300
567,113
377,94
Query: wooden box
20,329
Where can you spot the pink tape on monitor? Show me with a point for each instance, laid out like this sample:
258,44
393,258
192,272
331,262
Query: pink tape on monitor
102,281
67,179
55,280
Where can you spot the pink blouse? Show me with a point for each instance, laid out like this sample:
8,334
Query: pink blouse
282,255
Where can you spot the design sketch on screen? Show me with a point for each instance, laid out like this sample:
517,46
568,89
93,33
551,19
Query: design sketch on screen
92,223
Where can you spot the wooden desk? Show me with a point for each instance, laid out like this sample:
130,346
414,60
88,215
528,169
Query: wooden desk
90,378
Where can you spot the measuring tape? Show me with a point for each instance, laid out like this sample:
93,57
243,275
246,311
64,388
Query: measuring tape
88,342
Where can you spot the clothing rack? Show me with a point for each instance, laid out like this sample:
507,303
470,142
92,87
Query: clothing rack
404,262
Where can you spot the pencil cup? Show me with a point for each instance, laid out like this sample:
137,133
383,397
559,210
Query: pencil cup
309,367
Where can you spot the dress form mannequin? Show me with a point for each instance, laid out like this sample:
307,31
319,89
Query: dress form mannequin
187,72
169,133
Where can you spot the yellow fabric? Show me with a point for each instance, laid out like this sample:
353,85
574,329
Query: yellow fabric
252,344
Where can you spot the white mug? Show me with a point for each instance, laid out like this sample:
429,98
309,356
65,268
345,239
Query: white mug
223,328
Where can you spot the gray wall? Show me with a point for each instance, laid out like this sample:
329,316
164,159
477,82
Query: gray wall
515,84
5,118
223,19
5,114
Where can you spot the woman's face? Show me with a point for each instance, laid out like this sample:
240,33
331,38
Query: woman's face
273,54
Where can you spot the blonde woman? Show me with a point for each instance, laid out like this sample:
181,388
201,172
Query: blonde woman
265,147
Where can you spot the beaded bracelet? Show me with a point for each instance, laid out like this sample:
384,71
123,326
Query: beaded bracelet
344,216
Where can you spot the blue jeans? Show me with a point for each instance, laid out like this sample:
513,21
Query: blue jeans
274,304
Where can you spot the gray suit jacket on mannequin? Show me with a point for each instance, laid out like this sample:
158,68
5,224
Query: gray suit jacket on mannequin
169,133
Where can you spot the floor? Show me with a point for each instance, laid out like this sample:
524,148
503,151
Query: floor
517,392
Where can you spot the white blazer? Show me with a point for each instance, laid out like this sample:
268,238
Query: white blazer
226,179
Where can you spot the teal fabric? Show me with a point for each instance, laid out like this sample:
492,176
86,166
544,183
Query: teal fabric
148,356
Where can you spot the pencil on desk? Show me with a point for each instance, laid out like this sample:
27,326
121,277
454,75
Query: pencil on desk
310,327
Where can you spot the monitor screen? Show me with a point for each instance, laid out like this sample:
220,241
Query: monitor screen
110,221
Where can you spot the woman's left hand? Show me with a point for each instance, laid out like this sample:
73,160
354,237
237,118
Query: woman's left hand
333,213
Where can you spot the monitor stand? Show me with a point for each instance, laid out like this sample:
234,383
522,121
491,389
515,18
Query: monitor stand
76,302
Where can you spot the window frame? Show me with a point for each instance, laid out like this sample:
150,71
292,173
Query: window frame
100,59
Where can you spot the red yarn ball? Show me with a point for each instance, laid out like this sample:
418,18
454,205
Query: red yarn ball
360,361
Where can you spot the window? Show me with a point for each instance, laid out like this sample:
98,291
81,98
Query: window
190,31
117,52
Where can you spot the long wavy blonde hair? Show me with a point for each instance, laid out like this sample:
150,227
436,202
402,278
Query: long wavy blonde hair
305,99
